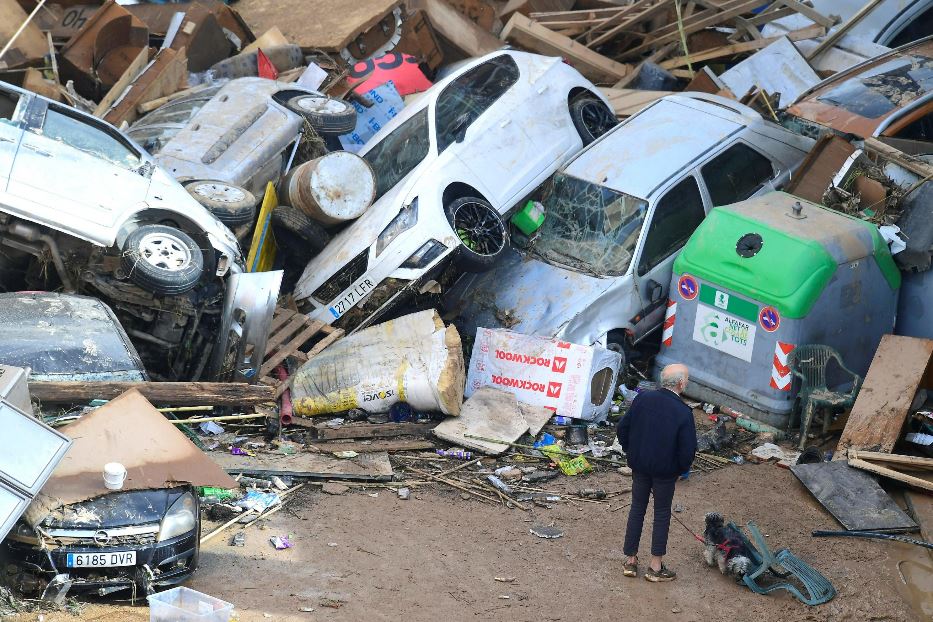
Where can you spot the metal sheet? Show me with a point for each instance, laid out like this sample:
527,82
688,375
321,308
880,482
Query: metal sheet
31,452
853,497
12,506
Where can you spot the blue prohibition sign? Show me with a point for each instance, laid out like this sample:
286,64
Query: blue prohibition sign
687,285
769,319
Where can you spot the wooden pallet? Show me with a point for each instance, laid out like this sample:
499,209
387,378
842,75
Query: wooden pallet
289,332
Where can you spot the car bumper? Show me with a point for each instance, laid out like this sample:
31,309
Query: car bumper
171,562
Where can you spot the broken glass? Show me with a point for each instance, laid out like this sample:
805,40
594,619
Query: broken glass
589,227
88,138
890,85
397,154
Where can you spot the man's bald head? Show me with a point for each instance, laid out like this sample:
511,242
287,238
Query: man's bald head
674,378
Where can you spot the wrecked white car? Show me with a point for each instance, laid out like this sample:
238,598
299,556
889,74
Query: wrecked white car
598,269
447,168
226,142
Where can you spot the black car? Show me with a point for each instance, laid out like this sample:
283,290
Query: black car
128,543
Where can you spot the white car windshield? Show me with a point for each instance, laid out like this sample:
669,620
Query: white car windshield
588,227
396,155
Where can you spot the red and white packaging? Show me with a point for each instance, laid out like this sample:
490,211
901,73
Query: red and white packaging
569,379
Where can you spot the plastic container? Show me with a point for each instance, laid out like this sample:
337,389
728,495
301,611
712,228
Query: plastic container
181,604
530,218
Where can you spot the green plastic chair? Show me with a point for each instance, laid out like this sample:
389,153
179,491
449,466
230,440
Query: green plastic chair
816,589
809,363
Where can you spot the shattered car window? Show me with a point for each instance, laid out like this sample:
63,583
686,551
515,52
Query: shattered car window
890,85
89,139
589,227
470,95
152,139
396,155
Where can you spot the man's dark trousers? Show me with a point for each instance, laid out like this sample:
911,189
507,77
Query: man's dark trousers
663,489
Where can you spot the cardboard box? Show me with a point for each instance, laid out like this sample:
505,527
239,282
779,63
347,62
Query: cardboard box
569,379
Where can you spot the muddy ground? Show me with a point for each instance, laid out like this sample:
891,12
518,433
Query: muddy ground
437,556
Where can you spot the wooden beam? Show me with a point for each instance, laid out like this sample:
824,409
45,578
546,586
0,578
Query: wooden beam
132,72
910,480
809,32
159,393
626,102
837,34
537,38
371,430
370,446
809,12
912,164
643,10
909,461
462,33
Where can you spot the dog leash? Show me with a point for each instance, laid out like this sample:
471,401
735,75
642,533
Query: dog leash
690,531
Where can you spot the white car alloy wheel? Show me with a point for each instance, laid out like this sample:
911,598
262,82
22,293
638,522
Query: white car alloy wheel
164,251
322,105
219,192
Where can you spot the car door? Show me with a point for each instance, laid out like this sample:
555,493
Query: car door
473,118
11,131
78,174
675,216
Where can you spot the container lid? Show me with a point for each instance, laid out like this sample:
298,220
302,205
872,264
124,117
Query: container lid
780,250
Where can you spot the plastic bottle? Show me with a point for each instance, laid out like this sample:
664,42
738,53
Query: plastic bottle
459,454
561,420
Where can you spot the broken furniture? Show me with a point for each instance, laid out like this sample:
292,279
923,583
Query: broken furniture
809,363
759,277
289,336
817,587
900,368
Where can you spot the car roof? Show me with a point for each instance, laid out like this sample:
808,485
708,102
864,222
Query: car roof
900,91
639,155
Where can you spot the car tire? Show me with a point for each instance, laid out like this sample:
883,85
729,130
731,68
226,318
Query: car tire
162,260
591,117
232,205
483,235
327,115
297,234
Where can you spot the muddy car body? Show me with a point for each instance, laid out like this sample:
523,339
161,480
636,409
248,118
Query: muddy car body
238,133
447,168
889,97
598,269
126,543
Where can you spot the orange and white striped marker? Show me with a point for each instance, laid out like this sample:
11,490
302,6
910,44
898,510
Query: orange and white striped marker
667,334
781,378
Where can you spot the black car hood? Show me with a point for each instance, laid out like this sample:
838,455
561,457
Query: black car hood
117,509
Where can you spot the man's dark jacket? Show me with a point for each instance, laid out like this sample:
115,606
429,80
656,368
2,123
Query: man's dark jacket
658,434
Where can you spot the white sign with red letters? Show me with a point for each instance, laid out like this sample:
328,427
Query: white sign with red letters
564,377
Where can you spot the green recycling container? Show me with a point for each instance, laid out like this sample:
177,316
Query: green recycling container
758,278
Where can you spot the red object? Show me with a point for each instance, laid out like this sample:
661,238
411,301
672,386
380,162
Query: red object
285,410
265,66
401,69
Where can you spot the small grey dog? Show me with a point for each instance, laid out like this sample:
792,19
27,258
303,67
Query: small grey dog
725,547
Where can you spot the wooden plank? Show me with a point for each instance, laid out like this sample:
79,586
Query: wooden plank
920,506
899,368
167,71
537,38
626,102
281,355
370,446
837,34
160,393
909,461
739,48
29,46
323,343
367,467
371,430
809,12
698,22
582,15
131,73
457,29
640,11
279,336
912,164
910,480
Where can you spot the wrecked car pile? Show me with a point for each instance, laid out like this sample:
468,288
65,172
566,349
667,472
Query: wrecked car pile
418,245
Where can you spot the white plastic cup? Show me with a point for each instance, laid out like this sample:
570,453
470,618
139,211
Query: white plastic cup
114,475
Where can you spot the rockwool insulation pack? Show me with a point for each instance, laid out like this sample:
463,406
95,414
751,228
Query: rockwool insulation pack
413,359
569,379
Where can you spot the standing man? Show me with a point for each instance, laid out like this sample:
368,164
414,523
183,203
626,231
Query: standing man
659,438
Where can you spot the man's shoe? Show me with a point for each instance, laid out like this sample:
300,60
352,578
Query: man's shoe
660,576
630,570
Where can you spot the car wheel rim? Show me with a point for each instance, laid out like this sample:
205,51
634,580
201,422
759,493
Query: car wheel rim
479,228
221,193
320,104
165,252
597,119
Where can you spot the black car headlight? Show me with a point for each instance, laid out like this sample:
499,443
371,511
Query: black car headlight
430,251
406,219
181,518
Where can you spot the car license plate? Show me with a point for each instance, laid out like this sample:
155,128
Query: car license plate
356,294
101,560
